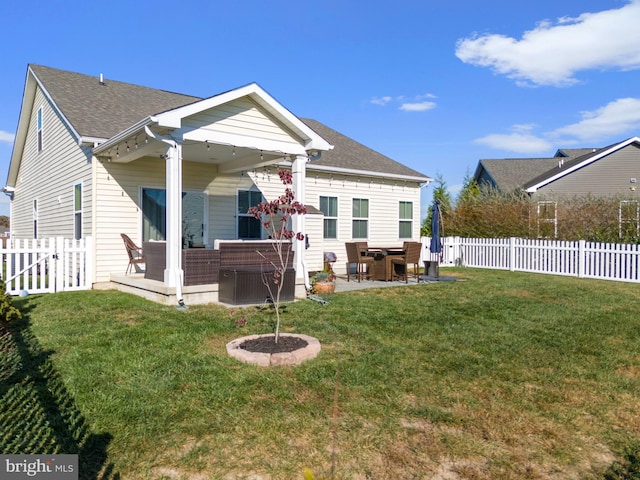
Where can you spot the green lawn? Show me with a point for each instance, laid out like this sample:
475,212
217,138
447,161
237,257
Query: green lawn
500,375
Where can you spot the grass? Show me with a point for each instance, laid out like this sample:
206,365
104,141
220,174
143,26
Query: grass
499,375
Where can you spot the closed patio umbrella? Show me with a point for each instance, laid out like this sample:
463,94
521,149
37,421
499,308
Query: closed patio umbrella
435,247
436,242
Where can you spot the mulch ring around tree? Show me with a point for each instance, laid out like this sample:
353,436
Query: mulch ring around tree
262,350
267,344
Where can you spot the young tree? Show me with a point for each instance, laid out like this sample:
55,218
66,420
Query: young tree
274,217
441,194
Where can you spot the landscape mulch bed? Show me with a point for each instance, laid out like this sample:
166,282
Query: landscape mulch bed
267,344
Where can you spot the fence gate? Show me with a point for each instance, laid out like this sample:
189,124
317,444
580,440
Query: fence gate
47,266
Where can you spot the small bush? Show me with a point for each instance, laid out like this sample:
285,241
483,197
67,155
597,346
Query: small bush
7,311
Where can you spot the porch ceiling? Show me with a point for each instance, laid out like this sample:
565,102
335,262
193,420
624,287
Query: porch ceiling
228,158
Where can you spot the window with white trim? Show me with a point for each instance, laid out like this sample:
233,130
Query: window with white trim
77,211
360,218
248,226
547,219
39,129
628,219
405,227
329,206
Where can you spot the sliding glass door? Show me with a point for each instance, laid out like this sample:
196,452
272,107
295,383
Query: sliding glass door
154,216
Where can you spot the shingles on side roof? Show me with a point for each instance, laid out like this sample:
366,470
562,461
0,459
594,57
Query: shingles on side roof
349,154
103,110
574,152
512,173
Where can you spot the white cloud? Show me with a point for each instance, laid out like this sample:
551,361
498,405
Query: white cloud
6,137
553,54
520,140
418,103
381,100
417,107
617,118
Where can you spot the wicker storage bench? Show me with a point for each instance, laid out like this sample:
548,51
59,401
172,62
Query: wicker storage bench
202,266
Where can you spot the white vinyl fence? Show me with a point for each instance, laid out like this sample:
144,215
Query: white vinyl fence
605,261
47,265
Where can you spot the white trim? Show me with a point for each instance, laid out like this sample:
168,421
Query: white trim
368,173
560,174
313,141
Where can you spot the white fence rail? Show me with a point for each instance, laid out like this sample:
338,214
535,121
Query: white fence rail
605,261
47,265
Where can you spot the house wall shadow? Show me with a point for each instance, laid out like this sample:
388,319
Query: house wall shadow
39,415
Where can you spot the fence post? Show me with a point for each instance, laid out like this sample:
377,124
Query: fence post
61,263
582,260
88,261
512,253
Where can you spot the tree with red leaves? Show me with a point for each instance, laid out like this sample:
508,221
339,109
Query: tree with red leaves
274,216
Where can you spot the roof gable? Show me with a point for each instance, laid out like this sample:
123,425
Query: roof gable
102,110
567,167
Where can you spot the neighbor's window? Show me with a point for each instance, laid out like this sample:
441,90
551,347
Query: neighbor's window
40,129
360,215
329,206
405,229
547,219
77,211
628,219
35,218
248,226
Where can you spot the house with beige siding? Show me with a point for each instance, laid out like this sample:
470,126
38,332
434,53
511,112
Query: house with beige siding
98,157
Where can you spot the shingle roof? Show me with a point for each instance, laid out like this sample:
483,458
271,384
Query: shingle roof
510,174
349,154
574,152
103,110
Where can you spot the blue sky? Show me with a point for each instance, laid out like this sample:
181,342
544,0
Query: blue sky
434,84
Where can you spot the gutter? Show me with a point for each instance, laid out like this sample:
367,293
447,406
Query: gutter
367,173
114,141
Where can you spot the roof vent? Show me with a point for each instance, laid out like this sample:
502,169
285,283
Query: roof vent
561,163
101,80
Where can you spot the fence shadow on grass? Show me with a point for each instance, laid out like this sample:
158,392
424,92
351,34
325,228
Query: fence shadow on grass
39,415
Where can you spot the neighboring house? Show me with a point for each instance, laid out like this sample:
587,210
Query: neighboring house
608,171
611,171
96,157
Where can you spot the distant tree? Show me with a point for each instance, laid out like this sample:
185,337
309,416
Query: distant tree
440,193
470,189
4,221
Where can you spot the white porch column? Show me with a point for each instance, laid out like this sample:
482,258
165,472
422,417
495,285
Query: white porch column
299,172
173,271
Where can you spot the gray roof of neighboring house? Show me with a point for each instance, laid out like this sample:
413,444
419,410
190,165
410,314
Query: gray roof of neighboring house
574,152
510,174
103,110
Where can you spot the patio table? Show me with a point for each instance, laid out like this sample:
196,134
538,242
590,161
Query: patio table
382,268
